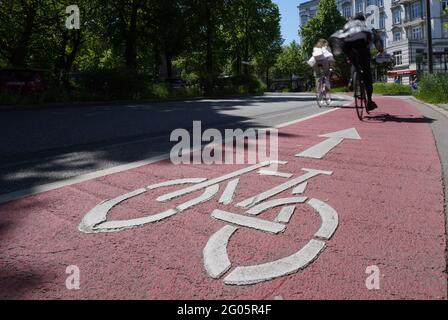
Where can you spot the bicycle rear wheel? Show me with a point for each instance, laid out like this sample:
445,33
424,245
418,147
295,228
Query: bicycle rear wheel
328,98
320,94
360,96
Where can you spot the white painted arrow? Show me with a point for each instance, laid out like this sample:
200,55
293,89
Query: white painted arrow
334,139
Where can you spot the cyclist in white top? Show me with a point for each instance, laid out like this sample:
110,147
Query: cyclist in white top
322,61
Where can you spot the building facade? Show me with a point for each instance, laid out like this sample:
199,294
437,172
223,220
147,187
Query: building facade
403,27
307,10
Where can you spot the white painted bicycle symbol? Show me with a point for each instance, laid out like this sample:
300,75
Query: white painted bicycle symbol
216,259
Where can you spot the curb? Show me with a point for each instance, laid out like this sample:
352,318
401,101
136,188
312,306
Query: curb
432,106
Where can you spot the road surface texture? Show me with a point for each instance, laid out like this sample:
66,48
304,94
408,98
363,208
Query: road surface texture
378,200
45,146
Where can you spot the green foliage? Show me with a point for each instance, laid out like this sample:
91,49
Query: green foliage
433,88
160,90
122,44
291,62
243,84
327,21
391,89
253,85
446,23
339,89
115,84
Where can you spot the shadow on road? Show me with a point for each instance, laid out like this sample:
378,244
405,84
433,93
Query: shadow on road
44,146
16,283
399,119
13,282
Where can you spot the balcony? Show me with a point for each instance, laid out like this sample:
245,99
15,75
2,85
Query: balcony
413,22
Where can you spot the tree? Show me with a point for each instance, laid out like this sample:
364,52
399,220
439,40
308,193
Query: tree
21,21
123,25
327,21
207,38
446,23
291,62
69,43
167,21
267,58
254,32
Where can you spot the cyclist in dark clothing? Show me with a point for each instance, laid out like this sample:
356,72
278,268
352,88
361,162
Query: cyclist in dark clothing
356,39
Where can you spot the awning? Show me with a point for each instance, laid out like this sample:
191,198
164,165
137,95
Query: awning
402,73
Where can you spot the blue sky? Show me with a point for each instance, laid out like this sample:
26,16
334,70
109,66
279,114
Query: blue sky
290,19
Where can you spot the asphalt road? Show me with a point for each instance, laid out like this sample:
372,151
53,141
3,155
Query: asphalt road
380,210
49,145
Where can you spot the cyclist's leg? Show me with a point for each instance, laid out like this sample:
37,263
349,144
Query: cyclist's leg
316,77
365,64
352,73
327,74
363,58
351,51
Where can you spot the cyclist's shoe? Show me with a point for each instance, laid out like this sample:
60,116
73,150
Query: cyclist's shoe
371,105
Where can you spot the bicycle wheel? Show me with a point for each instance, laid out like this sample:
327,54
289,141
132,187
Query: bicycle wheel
320,94
360,96
328,98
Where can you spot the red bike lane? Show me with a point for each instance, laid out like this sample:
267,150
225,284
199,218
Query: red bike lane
386,189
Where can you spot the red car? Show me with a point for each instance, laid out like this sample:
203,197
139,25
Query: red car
22,81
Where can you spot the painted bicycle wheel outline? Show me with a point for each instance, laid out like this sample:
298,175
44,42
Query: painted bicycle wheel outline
216,261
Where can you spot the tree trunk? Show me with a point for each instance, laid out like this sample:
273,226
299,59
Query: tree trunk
267,77
18,56
169,65
246,43
69,59
238,64
130,36
131,54
208,86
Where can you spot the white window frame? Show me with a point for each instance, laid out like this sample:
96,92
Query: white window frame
398,55
416,10
417,33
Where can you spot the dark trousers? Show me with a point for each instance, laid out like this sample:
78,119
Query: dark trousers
359,54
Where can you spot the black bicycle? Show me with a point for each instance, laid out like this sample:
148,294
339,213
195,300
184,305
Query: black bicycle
360,94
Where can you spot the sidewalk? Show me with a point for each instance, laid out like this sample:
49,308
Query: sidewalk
444,106
386,188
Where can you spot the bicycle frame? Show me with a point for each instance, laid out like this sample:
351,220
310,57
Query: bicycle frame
360,94
323,96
